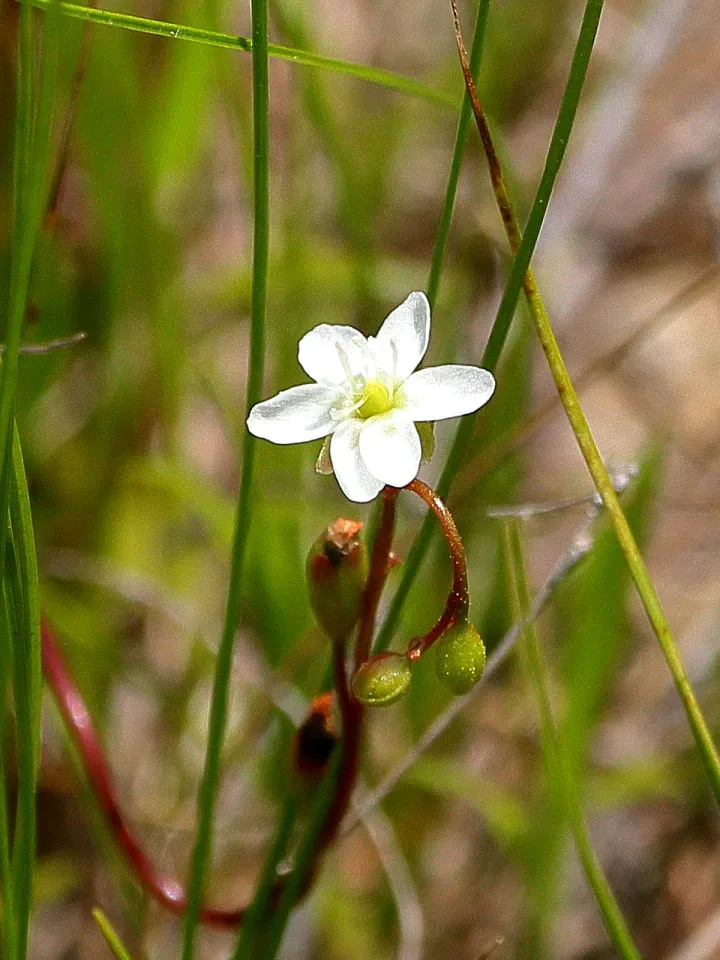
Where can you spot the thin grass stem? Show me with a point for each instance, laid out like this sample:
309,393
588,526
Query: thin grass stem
581,429
23,617
221,684
7,926
443,229
22,242
557,761
498,336
23,849
115,944
212,38
24,542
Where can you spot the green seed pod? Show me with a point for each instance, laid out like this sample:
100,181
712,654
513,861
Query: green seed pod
336,570
382,680
460,658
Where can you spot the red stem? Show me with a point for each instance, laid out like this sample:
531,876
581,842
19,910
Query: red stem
379,566
165,889
458,601
352,714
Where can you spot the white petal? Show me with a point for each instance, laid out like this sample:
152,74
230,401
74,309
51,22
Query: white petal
403,338
329,352
390,448
295,415
355,481
437,393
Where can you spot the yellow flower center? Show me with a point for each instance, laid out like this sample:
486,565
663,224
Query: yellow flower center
376,399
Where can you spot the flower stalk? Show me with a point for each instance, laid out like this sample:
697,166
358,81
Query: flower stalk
457,605
379,566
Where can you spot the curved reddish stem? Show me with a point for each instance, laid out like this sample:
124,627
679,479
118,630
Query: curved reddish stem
165,889
162,887
458,601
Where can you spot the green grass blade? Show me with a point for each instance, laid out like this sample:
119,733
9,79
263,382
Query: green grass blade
22,607
496,340
7,915
23,850
359,71
24,542
256,915
443,230
110,936
221,685
18,572
596,468
557,760
23,241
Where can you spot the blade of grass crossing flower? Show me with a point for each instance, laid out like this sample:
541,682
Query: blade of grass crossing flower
303,860
110,936
500,330
359,71
443,230
557,762
593,459
221,684
257,912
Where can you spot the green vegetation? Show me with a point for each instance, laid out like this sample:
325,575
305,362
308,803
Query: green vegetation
194,200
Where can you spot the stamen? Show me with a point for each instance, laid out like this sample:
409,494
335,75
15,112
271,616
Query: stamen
344,361
393,347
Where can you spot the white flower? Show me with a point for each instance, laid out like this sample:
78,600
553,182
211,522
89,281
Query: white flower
367,398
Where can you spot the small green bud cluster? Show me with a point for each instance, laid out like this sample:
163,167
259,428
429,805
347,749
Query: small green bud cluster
336,569
459,664
460,658
382,680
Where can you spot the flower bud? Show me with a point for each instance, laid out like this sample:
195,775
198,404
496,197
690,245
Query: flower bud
336,570
313,745
460,658
382,680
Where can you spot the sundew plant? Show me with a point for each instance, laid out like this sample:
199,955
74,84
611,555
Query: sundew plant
358,475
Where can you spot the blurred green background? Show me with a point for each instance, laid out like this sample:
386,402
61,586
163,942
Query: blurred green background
132,443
